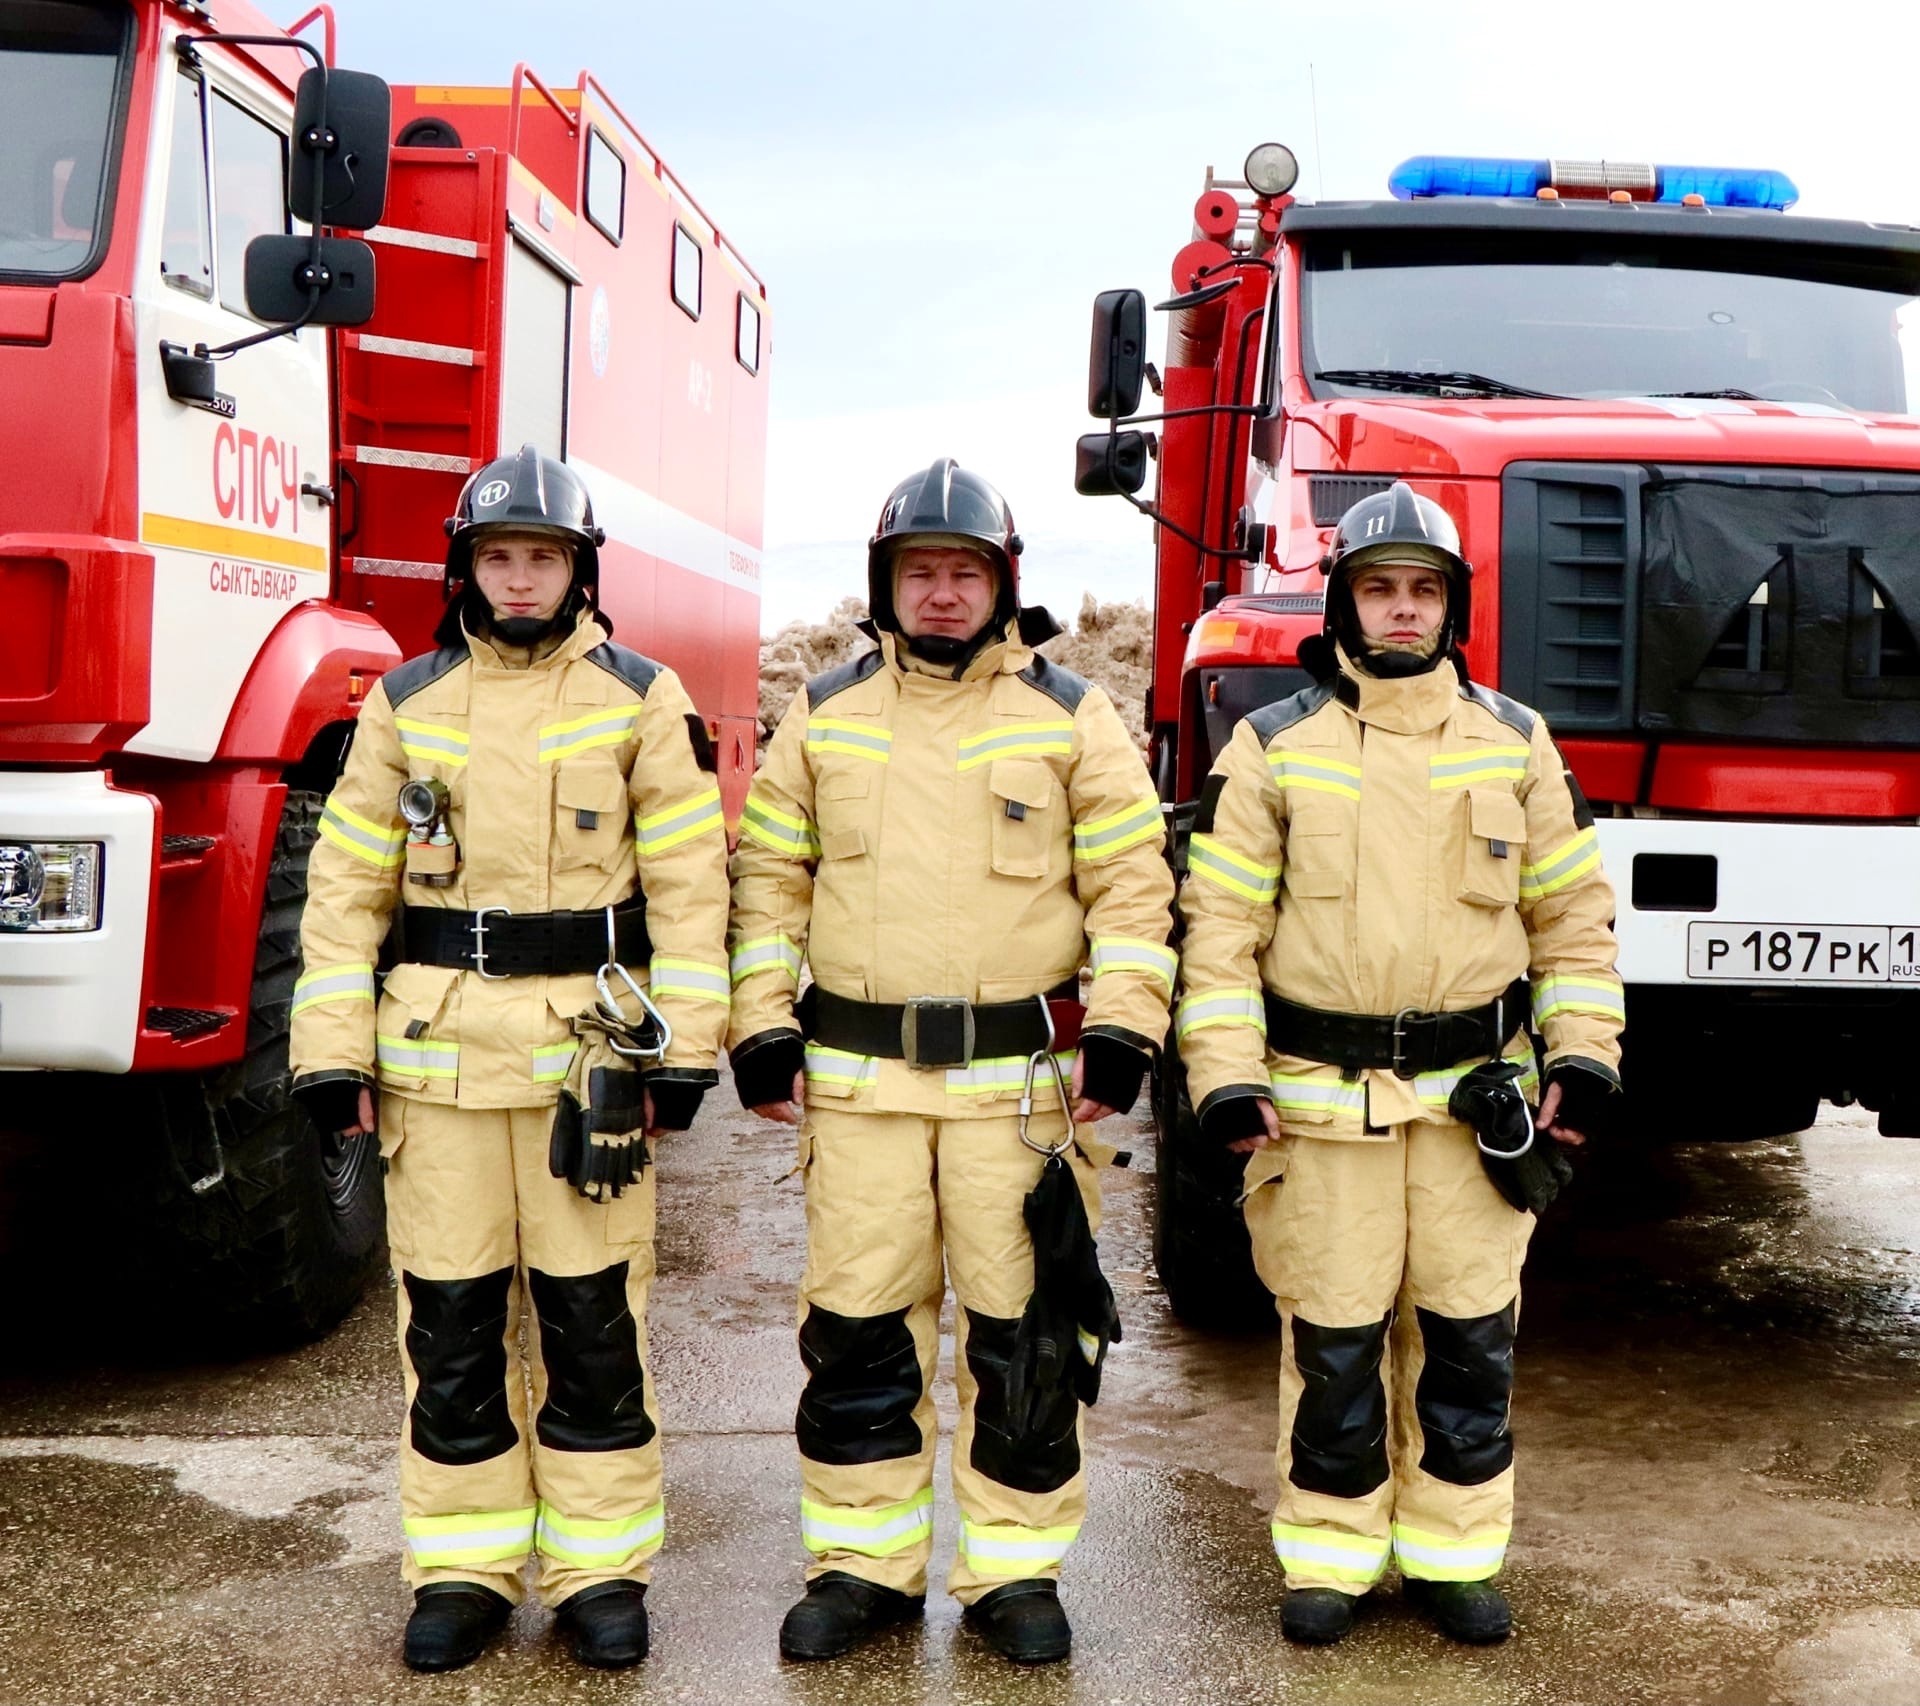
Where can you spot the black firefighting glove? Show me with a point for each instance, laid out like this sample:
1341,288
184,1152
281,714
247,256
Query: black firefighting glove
598,1146
1590,1098
1233,1112
1525,1165
765,1066
1111,1069
332,1100
676,1093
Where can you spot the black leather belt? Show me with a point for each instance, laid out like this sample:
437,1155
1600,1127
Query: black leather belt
1407,1044
929,1030
498,943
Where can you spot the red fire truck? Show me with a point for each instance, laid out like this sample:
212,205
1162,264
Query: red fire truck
208,553
1678,429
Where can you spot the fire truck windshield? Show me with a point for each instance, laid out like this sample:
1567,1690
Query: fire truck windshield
62,70
1379,315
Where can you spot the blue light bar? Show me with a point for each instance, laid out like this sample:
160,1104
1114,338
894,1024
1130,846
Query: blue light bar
1589,180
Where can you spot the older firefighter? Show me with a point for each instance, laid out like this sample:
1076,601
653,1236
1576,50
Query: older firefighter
532,809
946,829
1384,869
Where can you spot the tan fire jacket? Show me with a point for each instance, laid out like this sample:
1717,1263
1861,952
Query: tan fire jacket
908,834
1369,846
559,774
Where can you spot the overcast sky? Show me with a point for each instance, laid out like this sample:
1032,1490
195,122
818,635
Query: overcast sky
935,191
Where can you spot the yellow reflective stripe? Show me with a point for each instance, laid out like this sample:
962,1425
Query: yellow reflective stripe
1566,864
592,720
477,1537
608,726
1483,764
1435,1089
1578,995
1328,1552
1132,953
1211,1007
837,1066
600,1543
1106,836
1003,1073
1017,740
765,953
1004,1549
1315,772
377,844
859,740
420,1056
1226,869
700,815
553,1061
1305,1093
1433,1558
431,740
871,1533
694,979
777,832
333,983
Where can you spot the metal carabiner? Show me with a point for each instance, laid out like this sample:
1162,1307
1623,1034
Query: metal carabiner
613,1019
1045,1051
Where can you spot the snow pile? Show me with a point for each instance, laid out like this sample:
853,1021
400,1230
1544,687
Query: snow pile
1111,644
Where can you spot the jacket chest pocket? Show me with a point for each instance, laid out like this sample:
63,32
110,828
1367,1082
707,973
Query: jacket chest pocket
1495,839
841,807
412,1046
1319,860
590,814
1022,797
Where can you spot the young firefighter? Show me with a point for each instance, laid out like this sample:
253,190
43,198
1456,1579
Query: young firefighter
1383,868
559,816
943,829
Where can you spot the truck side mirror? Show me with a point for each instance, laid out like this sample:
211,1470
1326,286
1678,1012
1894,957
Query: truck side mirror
1108,464
282,273
1117,362
346,118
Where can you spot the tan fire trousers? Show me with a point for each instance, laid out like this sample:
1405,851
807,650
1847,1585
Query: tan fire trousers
490,1474
885,1193
1395,1266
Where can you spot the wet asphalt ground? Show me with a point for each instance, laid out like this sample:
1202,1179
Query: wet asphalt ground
1718,1421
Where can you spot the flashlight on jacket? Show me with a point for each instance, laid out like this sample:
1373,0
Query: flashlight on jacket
423,803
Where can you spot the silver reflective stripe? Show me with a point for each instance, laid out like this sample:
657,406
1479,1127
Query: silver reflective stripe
334,983
836,1066
1042,1546
589,731
490,1542
358,836
1485,1552
658,833
869,743
687,977
555,1536
1496,764
1361,1559
1290,1092
419,743
875,1533
1122,953
1238,876
1230,1007
1036,738
1571,995
1114,832
763,955
431,1059
1005,1072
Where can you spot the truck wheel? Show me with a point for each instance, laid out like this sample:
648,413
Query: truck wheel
1698,1101
265,1231
1200,1242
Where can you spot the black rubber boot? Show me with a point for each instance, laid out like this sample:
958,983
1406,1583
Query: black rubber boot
1024,1622
1316,1617
452,1623
839,1612
1474,1612
606,1624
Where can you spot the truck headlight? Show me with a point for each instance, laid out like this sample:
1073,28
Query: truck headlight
50,885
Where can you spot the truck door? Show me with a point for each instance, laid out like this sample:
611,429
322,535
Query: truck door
236,543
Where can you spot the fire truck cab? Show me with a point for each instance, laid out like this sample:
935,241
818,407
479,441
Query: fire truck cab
1679,431
217,530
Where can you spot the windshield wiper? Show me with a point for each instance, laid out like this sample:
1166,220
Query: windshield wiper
1431,384
1732,394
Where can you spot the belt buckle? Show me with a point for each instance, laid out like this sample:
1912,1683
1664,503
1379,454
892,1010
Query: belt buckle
1402,1021
480,942
937,1031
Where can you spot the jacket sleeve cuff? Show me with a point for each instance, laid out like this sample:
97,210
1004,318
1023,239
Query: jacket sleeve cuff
1233,1112
1589,1093
331,1098
764,1067
676,1093
1113,1062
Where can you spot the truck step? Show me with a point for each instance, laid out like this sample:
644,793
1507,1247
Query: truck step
178,847
181,1023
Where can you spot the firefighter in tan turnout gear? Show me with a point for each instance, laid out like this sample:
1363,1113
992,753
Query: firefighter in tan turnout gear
1387,871
945,830
533,811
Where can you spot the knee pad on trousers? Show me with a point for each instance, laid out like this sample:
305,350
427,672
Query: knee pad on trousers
1463,1394
863,1383
590,1347
1340,1428
1042,1458
457,1343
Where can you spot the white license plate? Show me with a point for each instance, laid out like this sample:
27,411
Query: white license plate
1803,953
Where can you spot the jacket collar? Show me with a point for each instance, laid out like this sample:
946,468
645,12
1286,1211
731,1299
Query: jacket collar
1005,656
1410,706
587,633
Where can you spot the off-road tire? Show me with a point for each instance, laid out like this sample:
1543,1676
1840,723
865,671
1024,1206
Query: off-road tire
279,1247
1200,1242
